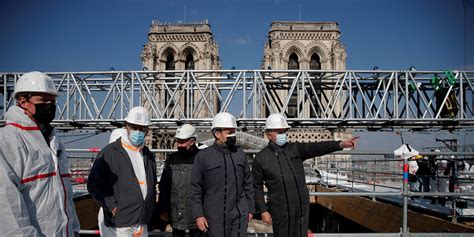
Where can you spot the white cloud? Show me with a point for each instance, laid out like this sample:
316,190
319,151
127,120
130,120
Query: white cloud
242,40
469,67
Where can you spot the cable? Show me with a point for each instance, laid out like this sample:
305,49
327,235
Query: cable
82,138
75,135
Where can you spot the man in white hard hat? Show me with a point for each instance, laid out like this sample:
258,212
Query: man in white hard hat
221,193
123,178
174,183
35,186
408,153
280,166
104,230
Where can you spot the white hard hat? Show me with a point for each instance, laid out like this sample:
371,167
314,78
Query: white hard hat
224,120
276,121
406,151
186,131
139,116
35,82
117,133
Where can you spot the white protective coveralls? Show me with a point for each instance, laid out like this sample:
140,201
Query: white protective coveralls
36,196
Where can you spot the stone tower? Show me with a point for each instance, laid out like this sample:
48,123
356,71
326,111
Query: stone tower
189,46
182,46
306,46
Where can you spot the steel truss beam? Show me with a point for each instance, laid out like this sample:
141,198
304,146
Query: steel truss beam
359,99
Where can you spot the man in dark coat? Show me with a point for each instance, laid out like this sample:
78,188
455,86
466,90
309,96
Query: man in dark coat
174,184
279,167
123,178
221,192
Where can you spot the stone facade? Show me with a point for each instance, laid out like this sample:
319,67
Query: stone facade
189,46
307,46
180,47
291,45
315,44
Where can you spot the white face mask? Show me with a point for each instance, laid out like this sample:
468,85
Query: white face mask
281,139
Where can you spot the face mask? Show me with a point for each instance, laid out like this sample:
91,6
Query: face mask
281,139
45,113
136,137
231,140
182,149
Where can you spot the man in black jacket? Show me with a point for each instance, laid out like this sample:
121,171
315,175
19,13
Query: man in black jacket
123,179
174,183
221,192
280,167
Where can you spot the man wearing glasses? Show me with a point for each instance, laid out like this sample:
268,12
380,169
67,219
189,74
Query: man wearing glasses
174,183
221,191
280,167
123,178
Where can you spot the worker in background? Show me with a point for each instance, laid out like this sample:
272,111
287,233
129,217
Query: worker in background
279,166
441,181
35,183
123,178
104,230
175,181
221,193
412,177
406,152
423,174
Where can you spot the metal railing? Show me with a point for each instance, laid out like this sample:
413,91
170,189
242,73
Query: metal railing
396,191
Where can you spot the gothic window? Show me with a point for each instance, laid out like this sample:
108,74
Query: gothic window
293,64
170,62
315,64
169,66
189,62
189,65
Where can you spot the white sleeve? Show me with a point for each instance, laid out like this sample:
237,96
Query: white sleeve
13,210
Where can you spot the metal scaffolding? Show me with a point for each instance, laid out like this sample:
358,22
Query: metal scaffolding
398,190
352,98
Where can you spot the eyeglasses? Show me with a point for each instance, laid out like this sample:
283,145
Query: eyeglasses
137,127
181,141
277,131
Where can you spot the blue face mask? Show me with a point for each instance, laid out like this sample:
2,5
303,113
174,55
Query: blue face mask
136,137
281,139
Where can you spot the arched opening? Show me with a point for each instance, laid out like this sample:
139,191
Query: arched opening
315,64
169,65
189,65
293,64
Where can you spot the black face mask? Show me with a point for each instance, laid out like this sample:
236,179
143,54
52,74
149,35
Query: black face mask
182,149
231,141
45,113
